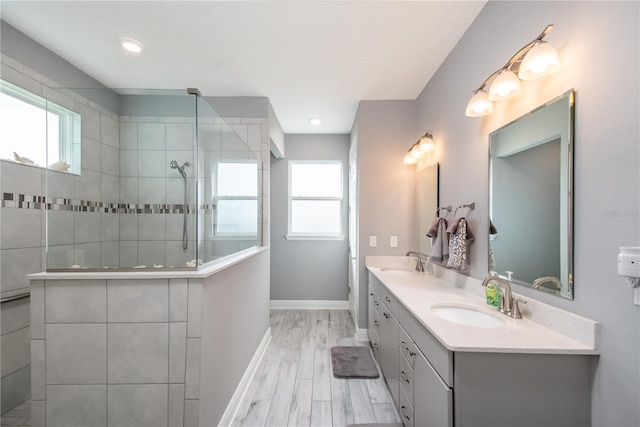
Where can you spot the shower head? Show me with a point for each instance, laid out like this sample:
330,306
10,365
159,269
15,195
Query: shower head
174,165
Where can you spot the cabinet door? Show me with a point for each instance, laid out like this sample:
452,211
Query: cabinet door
370,311
433,399
389,351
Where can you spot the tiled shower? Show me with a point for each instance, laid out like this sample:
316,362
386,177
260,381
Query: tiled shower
125,209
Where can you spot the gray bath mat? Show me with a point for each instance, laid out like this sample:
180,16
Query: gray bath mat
353,362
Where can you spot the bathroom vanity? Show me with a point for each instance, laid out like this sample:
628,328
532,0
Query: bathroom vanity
451,360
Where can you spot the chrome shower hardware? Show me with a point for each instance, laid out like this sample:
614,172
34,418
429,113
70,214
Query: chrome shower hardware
174,165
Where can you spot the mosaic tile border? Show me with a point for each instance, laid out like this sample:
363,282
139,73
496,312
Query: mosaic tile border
25,201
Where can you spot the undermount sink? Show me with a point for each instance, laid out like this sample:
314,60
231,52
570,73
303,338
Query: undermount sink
466,315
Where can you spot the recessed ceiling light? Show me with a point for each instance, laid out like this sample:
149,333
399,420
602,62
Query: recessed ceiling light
132,45
315,122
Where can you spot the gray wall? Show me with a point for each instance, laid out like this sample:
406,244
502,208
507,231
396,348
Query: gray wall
386,186
307,269
598,44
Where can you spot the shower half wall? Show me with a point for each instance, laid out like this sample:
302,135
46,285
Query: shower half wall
127,208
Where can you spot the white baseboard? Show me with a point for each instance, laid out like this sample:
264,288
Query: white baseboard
361,335
310,304
245,381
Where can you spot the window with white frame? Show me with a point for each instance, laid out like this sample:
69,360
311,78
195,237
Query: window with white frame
315,199
36,131
236,199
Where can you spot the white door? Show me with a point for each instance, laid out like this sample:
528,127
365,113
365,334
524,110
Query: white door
353,230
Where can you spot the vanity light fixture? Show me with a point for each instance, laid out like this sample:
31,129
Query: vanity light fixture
419,149
536,59
132,45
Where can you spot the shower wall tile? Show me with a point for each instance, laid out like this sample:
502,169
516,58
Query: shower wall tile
76,301
177,351
137,405
15,264
110,189
18,78
90,121
153,190
15,389
129,190
176,256
15,351
209,136
60,184
152,163
38,380
180,136
191,413
138,301
38,413
128,163
128,227
15,315
109,254
254,137
77,405
192,374
178,300
88,186
175,190
91,151
138,353
87,254
76,353
172,119
20,228
151,227
176,405
110,131
23,179
128,135
151,253
60,256
174,225
151,136
109,227
86,227
180,156
128,254
110,158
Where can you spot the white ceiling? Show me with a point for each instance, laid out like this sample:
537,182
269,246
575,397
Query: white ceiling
310,58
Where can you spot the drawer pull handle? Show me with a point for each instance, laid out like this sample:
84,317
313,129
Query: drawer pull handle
375,323
404,377
376,303
386,315
403,414
387,298
375,345
371,294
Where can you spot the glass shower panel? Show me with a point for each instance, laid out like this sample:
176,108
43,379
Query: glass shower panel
230,209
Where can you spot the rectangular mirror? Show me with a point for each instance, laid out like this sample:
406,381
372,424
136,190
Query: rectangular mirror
530,198
427,203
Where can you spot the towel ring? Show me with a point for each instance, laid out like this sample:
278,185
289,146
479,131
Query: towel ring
446,208
471,205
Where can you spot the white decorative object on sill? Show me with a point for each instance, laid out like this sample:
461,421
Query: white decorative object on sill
23,160
60,166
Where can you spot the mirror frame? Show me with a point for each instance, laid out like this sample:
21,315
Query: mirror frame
568,220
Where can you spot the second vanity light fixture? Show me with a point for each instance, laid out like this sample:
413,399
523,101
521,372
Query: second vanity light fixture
536,59
419,149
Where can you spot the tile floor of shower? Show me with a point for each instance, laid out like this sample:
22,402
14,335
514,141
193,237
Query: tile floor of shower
18,416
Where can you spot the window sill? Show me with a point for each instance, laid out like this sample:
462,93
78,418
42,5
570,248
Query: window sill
312,237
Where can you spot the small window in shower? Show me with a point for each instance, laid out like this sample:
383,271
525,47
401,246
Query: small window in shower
35,131
236,199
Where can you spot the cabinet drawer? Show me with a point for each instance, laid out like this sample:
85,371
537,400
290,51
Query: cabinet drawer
406,345
406,409
406,376
375,344
441,358
390,301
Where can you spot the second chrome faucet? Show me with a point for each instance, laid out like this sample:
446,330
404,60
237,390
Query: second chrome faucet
421,260
508,304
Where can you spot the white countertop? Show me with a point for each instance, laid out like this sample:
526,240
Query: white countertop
419,291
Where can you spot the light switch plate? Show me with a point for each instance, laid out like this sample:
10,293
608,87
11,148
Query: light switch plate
373,241
393,241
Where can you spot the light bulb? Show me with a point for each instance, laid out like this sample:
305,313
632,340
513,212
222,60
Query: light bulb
415,152
479,105
426,143
409,159
505,86
541,60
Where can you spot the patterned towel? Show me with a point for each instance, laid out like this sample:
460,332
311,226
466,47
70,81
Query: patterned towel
459,241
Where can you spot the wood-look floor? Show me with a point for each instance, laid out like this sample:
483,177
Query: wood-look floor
294,384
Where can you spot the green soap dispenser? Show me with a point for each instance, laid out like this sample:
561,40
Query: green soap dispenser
493,293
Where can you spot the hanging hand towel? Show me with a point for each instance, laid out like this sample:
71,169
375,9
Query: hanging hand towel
439,241
458,245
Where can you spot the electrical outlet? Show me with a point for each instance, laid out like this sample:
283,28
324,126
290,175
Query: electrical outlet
393,241
373,241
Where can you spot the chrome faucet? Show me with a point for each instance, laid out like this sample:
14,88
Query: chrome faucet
420,262
508,304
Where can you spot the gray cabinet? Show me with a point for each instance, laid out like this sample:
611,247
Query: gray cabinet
436,387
